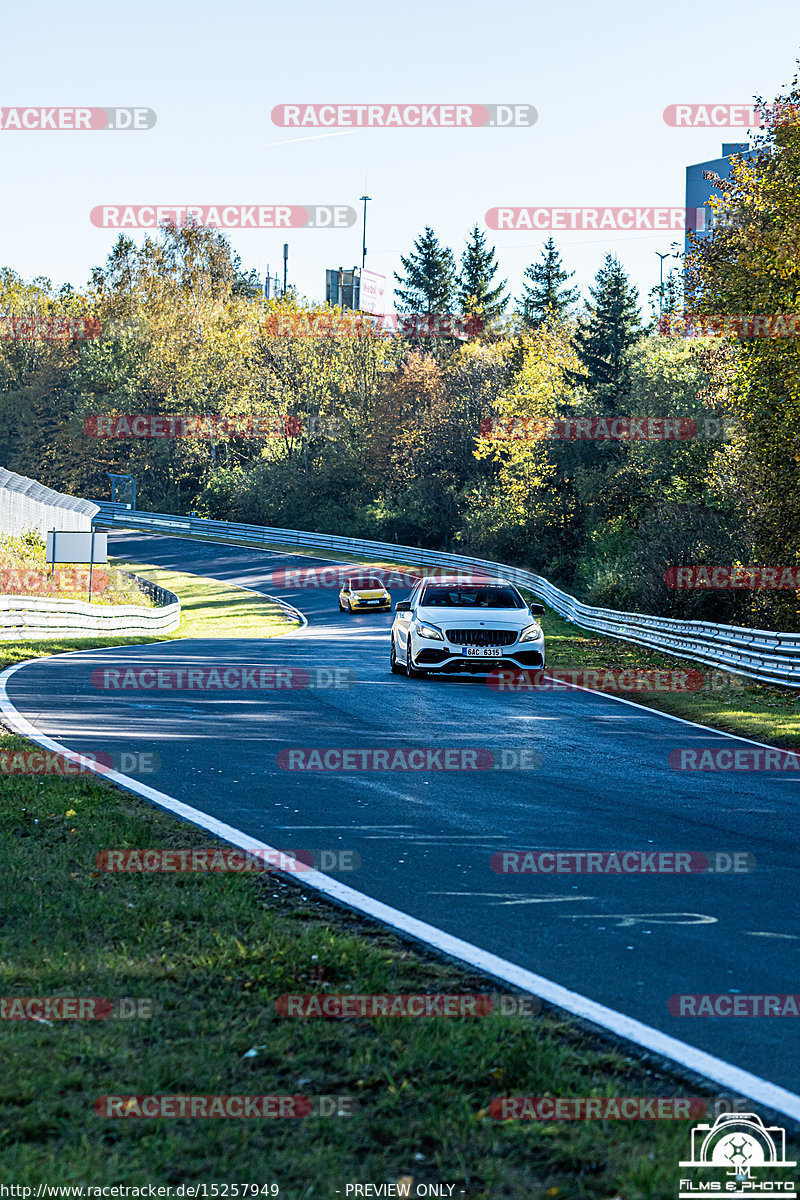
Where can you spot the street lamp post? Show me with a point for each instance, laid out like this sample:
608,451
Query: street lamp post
364,237
661,282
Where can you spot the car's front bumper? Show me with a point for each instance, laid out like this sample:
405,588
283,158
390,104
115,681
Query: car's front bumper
449,660
364,606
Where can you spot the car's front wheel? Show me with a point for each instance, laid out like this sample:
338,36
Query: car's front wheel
394,665
411,670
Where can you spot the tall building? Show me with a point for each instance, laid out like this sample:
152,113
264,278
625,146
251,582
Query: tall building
699,190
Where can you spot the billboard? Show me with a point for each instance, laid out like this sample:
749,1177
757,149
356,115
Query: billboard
373,288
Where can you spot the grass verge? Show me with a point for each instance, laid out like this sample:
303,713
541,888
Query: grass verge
211,953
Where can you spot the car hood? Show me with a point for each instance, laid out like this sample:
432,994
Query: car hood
491,618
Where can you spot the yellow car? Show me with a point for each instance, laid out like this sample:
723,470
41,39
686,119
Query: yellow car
359,595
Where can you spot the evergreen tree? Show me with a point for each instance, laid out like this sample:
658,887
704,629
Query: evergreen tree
430,276
606,333
476,296
546,294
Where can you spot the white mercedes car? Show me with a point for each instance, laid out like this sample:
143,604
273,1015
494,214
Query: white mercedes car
482,625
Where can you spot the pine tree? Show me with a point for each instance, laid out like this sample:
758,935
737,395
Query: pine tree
476,296
546,294
430,276
607,332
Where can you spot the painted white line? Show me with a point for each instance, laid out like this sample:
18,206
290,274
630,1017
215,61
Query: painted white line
668,716
734,1078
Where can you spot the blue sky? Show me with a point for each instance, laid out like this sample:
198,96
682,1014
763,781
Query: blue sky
599,75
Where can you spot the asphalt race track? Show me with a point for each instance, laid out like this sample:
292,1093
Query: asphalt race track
426,837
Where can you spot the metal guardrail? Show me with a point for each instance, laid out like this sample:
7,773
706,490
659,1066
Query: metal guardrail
33,617
753,653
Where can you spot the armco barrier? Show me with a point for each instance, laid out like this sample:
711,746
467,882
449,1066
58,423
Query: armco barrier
26,504
31,618
753,653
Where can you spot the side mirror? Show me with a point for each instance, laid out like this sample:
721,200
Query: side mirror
536,609
402,606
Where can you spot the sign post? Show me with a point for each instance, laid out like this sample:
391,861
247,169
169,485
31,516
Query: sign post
74,547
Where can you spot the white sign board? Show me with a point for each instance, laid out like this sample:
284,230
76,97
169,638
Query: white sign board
67,546
373,291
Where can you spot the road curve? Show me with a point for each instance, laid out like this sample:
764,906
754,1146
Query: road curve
426,837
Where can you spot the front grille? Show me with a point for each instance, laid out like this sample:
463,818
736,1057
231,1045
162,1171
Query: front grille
481,637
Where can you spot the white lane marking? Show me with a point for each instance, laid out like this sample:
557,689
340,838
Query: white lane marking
762,933
734,1078
626,920
518,900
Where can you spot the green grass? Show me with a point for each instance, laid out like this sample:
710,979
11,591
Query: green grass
212,952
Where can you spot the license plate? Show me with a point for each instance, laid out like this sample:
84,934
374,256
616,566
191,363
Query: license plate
370,602
481,652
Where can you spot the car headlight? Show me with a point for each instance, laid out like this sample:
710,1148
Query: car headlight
428,631
531,633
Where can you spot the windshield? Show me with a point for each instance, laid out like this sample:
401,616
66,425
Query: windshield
439,596
369,585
